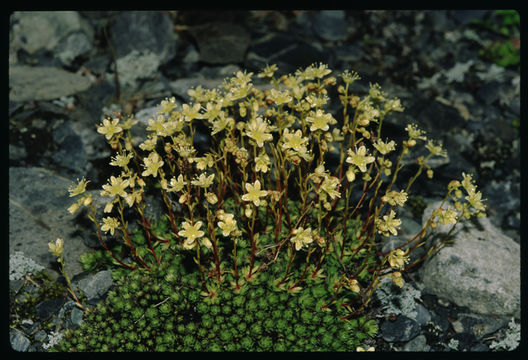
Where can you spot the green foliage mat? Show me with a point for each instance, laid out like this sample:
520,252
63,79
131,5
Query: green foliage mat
164,310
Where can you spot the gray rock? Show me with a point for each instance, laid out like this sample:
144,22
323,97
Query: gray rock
19,342
97,285
70,153
17,153
480,325
43,83
47,308
221,42
144,31
38,199
137,66
75,45
58,31
330,25
418,344
480,269
400,330
76,317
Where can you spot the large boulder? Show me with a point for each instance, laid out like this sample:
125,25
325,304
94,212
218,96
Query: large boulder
479,268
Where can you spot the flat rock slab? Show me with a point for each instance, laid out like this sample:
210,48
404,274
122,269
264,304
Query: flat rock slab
38,202
43,83
480,269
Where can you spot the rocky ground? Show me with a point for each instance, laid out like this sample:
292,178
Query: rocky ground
68,69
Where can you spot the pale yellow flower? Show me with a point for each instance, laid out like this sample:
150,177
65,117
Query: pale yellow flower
435,150
204,162
360,158
294,140
352,284
152,164
57,248
350,174
121,160
475,200
149,144
398,258
360,349
268,71
320,120
259,130
72,209
109,128
279,97
329,186
414,132
262,163
446,216
80,188
157,125
316,101
167,105
191,233
395,198
467,183
349,76
254,193
110,224
191,112
212,111
300,237
176,184
221,122
227,224
134,197
388,225
116,187
384,148
203,180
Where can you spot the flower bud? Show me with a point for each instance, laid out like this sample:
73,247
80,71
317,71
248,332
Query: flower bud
211,198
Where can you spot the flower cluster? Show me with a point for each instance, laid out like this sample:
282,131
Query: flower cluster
267,189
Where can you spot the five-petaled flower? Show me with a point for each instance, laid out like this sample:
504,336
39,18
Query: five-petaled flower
293,140
152,164
227,224
110,224
300,237
259,131
191,232
109,128
360,158
388,225
383,147
254,193
203,180
320,120
116,188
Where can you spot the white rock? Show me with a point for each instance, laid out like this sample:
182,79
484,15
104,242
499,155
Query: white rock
480,269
